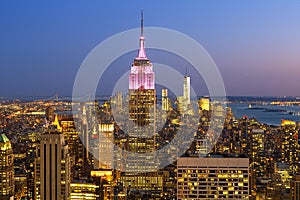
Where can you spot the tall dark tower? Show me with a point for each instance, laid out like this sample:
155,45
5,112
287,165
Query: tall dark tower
52,168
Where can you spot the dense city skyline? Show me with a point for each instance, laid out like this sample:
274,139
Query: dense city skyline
144,142
255,44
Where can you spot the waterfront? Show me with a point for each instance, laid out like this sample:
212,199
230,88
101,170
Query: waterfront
269,114
261,107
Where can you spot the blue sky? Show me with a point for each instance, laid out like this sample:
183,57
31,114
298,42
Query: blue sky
255,43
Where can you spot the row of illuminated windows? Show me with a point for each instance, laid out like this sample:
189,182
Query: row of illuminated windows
228,175
243,182
187,170
211,196
224,176
219,181
211,188
203,192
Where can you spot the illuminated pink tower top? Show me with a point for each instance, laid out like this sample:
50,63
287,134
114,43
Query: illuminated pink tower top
141,74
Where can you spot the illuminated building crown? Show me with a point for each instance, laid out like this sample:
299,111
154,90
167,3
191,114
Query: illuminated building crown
141,74
4,143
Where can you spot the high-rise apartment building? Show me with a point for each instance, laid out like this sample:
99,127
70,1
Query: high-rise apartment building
215,177
52,168
6,169
257,152
289,144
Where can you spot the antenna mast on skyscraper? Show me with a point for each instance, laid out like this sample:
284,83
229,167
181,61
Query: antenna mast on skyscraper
142,22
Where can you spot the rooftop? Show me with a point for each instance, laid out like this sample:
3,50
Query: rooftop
3,138
4,143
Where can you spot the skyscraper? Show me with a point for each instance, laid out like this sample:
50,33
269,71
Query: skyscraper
184,102
142,110
164,99
52,168
289,144
72,136
6,169
140,163
104,153
187,89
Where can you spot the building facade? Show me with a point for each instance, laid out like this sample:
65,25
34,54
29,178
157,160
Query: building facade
142,111
6,169
81,191
204,103
212,178
104,155
52,168
140,168
295,187
164,100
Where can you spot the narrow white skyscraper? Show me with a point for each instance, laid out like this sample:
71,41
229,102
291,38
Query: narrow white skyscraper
187,89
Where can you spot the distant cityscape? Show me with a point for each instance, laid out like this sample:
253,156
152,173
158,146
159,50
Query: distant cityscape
266,155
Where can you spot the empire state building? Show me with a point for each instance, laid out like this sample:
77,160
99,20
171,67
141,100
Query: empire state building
142,103
141,164
142,88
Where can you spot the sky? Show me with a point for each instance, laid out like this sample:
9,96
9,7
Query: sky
254,43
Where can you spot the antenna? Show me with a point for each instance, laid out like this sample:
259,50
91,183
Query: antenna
142,22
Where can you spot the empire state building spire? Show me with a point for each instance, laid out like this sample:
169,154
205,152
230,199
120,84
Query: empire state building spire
142,53
141,74
142,23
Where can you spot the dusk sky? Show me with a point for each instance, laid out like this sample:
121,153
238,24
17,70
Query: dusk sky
255,43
